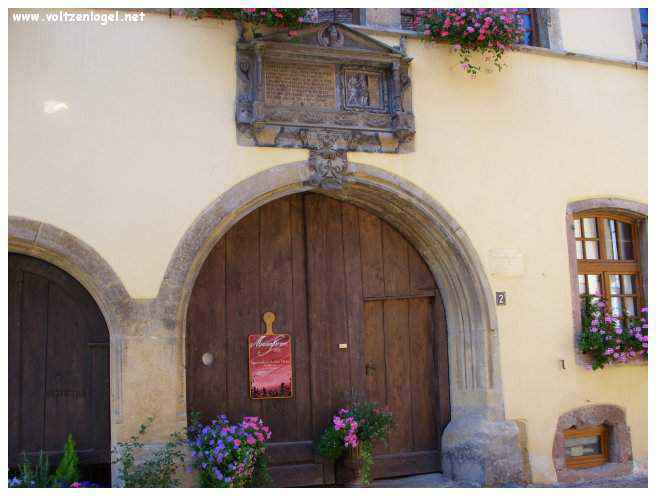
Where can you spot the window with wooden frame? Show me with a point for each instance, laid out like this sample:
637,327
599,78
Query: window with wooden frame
608,260
587,447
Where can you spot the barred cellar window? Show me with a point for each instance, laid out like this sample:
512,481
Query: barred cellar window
608,260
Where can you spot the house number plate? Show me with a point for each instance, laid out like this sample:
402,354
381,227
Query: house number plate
501,297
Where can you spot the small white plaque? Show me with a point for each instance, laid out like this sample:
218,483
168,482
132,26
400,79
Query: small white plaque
506,262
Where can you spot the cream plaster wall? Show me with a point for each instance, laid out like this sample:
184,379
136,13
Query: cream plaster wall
149,141
604,32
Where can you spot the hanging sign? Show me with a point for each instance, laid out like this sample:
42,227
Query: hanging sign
270,363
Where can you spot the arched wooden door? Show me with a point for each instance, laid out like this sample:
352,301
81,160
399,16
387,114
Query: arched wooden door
334,275
58,368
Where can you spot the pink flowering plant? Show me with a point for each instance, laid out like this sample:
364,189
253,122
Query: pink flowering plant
487,31
355,429
271,17
610,339
230,455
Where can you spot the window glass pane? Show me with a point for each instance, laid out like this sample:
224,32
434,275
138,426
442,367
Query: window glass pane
592,250
625,240
579,250
630,306
628,284
614,281
616,306
589,227
581,284
611,240
594,284
577,228
581,446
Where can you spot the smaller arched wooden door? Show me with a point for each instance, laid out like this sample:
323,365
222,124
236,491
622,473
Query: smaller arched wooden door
366,319
58,368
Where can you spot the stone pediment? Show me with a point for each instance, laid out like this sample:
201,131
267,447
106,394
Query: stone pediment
329,87
330,36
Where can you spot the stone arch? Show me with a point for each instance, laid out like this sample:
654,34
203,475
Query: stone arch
478,444
69,253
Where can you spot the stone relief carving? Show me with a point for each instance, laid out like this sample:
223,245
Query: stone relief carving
328,164
330,36
331,81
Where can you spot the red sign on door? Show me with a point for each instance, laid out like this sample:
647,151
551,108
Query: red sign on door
270,363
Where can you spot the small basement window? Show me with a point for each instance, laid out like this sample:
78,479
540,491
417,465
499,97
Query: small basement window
587,447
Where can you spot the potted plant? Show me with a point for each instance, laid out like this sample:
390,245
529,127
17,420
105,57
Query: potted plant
350,437
609,339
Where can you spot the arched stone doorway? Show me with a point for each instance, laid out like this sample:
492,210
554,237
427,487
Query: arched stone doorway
82,263
59,367
365,319
479,443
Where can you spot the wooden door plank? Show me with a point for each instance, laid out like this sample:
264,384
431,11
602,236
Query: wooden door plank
206,333
395,262
299,324
34,313
318,325
421,278
374,359
243,315
401,464
68,405
422,375
276,296
371,251
354,297
441,363
397,356
15,291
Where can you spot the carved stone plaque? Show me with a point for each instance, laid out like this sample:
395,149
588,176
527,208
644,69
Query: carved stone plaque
329,81
304,85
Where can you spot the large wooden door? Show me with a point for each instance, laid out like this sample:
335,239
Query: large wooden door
58,367
366,320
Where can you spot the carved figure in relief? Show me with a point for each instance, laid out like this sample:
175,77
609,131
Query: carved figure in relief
357,91
331,37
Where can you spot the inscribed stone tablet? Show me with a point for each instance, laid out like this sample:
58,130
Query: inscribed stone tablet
304,85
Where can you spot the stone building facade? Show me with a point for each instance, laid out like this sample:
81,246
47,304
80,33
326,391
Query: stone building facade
138,151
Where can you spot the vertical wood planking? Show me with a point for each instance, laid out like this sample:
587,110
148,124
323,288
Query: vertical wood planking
335,279
371,252
299,327
14,359
374,359
206,333
397,357
276,296
243,316
395,262
441,362
353,296
422,375
421,278
67,397
318,327
33,360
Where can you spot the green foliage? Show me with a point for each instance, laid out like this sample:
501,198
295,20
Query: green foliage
34,476
68,470
159,466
